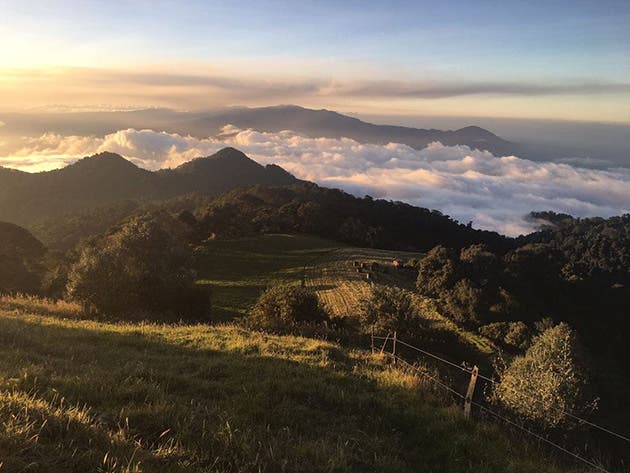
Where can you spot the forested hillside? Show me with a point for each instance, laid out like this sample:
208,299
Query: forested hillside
108,178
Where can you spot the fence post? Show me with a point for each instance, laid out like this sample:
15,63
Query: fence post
471,391
394,349
372,340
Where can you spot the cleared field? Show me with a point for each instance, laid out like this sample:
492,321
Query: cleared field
343,277
239,270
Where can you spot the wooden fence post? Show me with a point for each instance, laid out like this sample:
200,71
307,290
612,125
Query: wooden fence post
372,340
394,349
471,391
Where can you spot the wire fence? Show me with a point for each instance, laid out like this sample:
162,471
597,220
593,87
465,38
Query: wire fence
463,367
468,398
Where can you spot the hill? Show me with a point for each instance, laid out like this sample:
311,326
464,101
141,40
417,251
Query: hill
83,396
238,270
337,215
108,178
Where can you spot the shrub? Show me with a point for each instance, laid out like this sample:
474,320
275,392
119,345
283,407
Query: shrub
389,309
139,268
514,335
550,378
284,307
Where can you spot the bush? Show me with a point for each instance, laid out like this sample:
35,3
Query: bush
515,335
285,307
389,309
139,268
550,378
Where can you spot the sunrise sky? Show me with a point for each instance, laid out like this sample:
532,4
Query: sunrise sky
534,59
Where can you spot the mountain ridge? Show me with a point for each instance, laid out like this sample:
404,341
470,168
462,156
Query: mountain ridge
310,122
107,178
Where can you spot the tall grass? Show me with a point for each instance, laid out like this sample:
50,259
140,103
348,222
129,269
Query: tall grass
28,304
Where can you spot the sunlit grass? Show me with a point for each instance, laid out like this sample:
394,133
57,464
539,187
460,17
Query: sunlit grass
85,396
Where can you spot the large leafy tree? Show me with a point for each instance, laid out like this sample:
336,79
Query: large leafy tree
550,380
139,267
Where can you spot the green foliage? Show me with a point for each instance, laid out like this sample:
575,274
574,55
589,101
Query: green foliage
511,335
285,307
437,271
390,309
334,214
21,260
468,284
139,267
551,378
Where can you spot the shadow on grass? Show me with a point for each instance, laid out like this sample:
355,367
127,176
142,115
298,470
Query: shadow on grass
181,402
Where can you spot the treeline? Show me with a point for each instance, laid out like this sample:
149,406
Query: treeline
300,208
332,213
573,271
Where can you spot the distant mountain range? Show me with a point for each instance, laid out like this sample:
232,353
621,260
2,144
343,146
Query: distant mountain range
313,123
108,178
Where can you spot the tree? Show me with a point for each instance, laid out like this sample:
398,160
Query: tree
389,309
550,379
139,267
287,306
21,257
437,271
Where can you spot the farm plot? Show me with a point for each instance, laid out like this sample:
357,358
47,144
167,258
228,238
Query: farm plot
343,277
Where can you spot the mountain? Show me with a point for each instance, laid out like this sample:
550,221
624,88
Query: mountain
313,123
330,124
107,178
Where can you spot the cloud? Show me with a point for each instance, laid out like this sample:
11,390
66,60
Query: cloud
443,89
195,87
495,192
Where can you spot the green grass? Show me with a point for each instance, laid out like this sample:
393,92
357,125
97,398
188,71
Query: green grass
239,270
82,396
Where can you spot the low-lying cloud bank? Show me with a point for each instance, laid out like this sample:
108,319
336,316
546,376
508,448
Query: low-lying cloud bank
493,192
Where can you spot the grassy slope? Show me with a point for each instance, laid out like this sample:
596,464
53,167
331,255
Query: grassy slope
240,269
81,396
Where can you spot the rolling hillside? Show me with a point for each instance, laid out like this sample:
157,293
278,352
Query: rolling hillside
239,270
80,396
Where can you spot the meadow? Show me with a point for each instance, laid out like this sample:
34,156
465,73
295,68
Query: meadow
85,396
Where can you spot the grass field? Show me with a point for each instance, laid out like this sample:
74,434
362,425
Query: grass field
83,396
239,270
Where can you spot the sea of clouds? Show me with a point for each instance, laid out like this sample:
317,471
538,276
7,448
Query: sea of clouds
494,192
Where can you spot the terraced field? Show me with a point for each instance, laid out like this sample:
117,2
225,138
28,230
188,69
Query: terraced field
343,277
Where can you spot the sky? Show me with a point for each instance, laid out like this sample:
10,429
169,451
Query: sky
558,70
566,60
